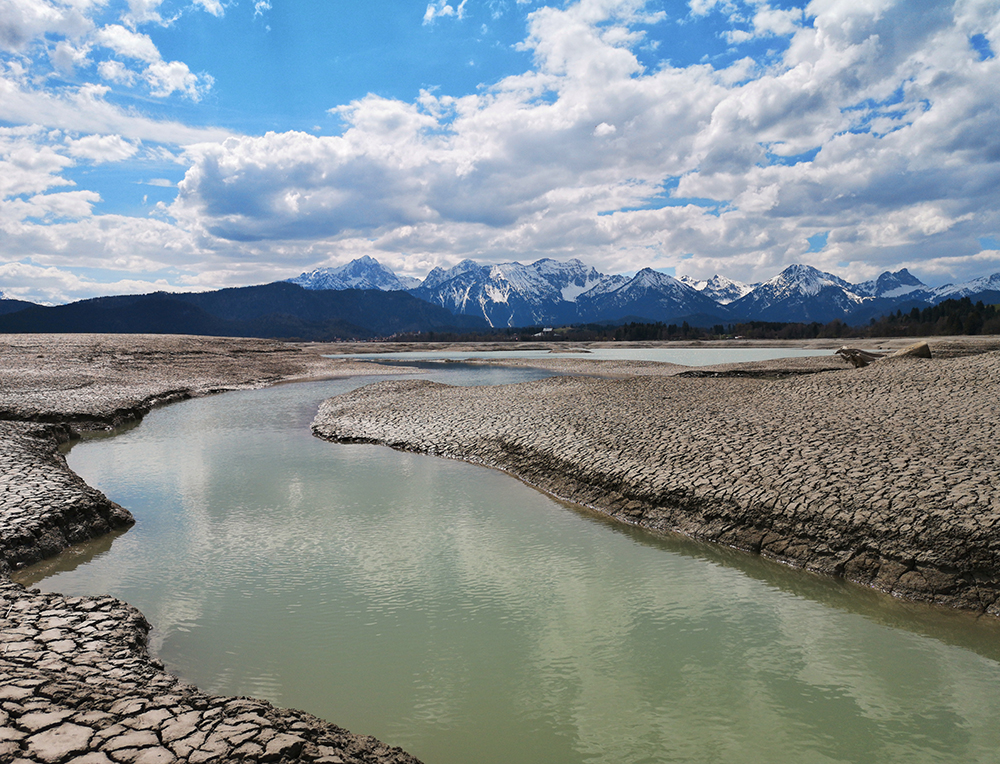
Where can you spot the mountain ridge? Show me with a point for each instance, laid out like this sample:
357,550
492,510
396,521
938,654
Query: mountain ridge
322,304
279,310
555,292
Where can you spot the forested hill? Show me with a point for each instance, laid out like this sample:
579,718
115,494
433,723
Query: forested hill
279,310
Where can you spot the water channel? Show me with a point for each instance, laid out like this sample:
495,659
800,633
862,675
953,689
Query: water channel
453,611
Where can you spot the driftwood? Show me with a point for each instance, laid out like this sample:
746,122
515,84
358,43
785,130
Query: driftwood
859,358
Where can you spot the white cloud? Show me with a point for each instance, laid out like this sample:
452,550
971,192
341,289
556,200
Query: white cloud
50,285
502,173
128,43
166,77
86,110
116,71
27,165
43,207
776,21
101,148
704,7
142,11
212,6
442,8
66,57
163,77
877,124
23,21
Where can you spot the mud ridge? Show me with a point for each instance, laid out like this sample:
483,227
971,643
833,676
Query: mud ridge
887,476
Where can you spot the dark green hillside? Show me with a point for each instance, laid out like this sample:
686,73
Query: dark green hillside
13,306
280,310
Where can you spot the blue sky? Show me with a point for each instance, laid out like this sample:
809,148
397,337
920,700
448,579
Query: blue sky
157,144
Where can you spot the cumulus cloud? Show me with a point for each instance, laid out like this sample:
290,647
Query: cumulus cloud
24,21
27,165
116,71
879,125
764,21
875,122
128,43
66,57
166,77
163,77
54,206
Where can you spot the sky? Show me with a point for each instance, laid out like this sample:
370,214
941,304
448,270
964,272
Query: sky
195,144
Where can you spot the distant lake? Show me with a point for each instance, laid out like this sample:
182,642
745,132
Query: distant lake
453,611
683,356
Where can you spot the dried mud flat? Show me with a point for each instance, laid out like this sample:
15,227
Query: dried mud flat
76,681
886,475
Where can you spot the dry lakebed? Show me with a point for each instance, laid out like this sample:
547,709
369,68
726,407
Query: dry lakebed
885,475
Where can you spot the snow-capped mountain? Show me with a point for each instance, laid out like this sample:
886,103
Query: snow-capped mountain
364,273
649,295
552,292
985,284
892,285
719,288
511,294
439,275
799,293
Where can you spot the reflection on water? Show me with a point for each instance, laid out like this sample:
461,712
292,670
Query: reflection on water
455,612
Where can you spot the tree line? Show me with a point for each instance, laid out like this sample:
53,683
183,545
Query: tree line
950,317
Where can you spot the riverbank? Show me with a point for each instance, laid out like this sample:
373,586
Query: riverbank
886,475
76,680
950,346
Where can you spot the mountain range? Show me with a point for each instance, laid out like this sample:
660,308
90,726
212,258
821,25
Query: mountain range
552,292
364,299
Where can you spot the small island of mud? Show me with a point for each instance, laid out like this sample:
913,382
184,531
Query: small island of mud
886,475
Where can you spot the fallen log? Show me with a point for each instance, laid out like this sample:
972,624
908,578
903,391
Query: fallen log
859,358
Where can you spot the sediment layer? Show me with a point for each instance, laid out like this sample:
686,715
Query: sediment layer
886,475
76,681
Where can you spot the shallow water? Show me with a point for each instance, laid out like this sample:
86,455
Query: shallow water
453,611
685,356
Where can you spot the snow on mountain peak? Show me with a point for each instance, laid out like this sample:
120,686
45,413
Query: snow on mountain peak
719,288
550,291
890,285
989,283
804,279
362,273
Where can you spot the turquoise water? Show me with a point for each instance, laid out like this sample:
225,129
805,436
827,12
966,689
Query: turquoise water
453,611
